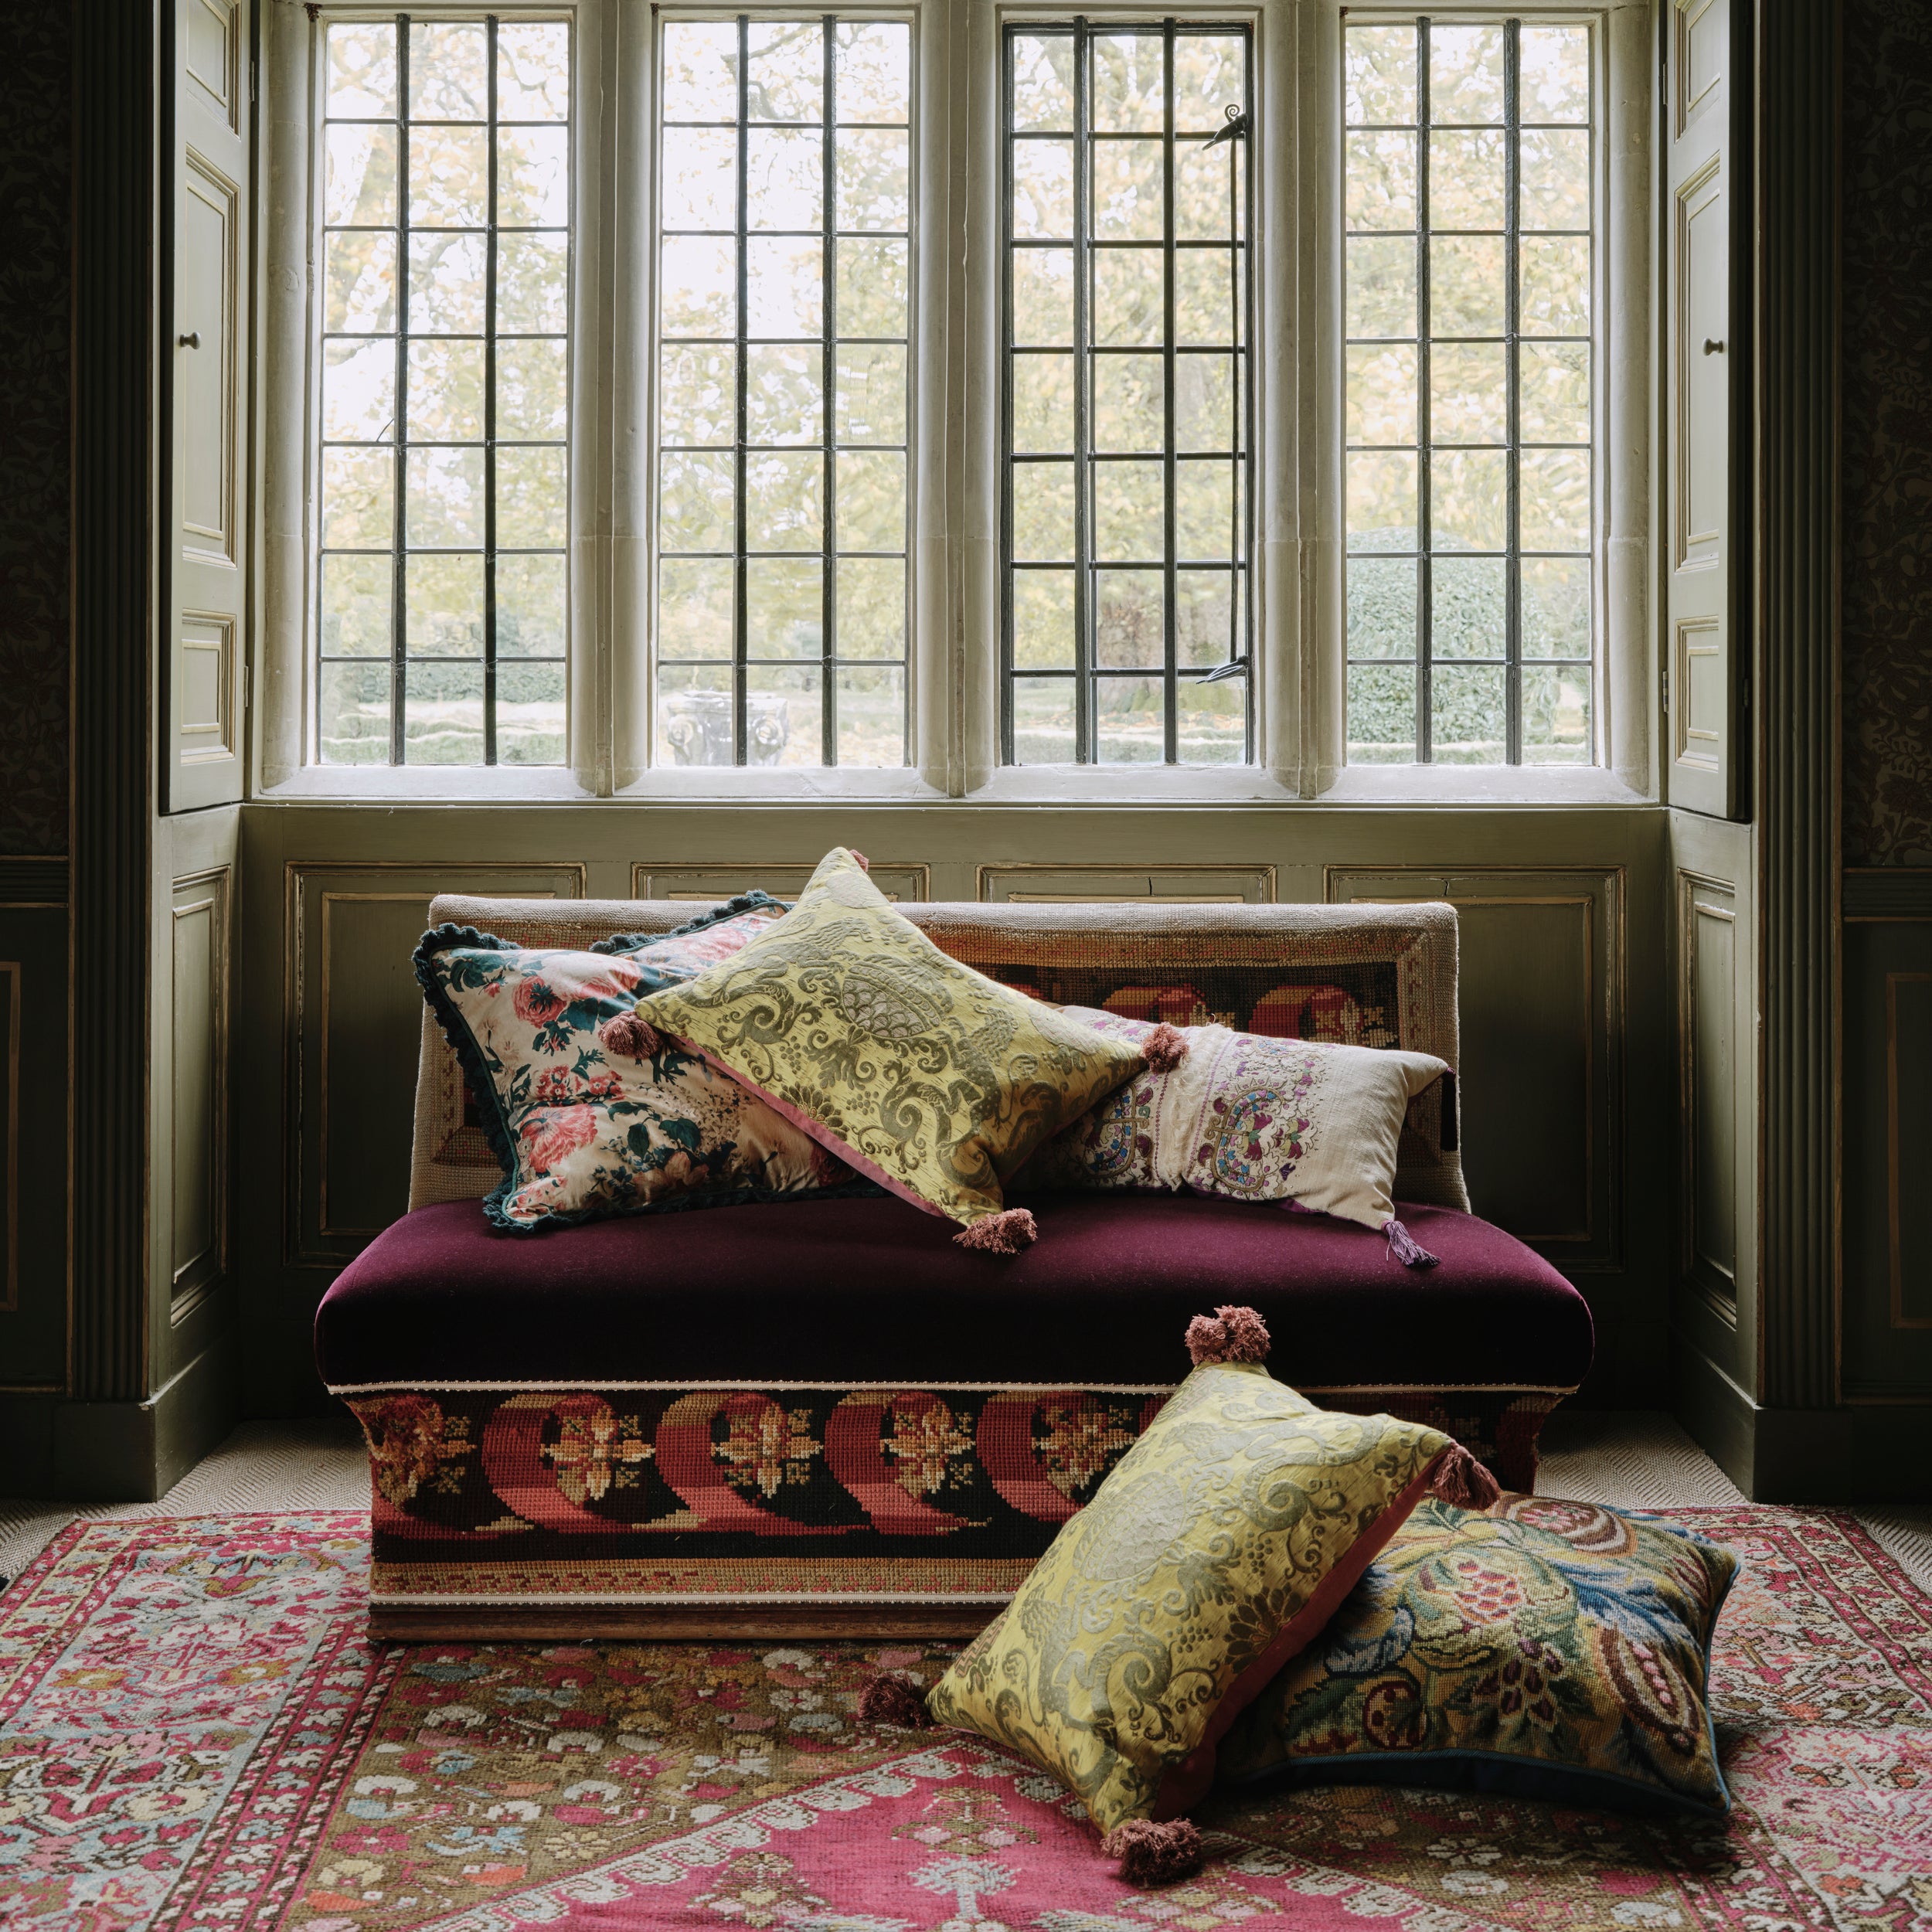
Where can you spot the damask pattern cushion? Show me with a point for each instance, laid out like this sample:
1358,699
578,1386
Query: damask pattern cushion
934,1079
1221,1542
1541,1648
584,1121
1251,1117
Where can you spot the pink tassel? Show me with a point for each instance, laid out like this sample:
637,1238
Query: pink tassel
1463,1482
635,1039
1152,1854
1229,1335
859,858
1005,1233
1404,1246
1163,1048
889,1699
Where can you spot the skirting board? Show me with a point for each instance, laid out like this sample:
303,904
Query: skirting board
1859,1453
851,1623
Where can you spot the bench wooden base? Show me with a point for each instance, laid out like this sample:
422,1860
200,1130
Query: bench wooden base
847,1623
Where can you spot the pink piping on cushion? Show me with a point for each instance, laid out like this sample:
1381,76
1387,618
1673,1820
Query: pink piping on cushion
1404,1247
1186,1784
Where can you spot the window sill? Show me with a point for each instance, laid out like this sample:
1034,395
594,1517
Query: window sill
452,784
1414,785
1132,785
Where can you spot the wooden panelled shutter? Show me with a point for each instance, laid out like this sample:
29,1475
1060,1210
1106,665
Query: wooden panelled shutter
1706,401
206,351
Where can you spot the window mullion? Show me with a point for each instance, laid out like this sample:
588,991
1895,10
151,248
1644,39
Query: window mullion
1512,383
1006,600
489,421
1085,750
828,623
398,610
1169,520
741,643
1425,635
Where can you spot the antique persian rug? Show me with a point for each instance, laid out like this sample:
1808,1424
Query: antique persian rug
196,1735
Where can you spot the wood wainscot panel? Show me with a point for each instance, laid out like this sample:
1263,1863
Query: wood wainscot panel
1886,1307
728,877
198,941
34,1086
1209,884
1540,984
353,1019
1708,1101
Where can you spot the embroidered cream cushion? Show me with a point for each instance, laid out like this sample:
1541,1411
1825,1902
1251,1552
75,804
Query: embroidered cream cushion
1247,1116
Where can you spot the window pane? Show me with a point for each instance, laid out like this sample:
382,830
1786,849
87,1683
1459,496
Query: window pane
444,606
530,714
1107,642
359,391
1043,619
357,595
783,430
358,282
532,619
353,728
1486,628
443,724
533,388
1043,83
446,381
360,71
1469,721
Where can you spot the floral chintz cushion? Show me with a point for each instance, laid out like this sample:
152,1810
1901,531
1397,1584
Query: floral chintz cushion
1219,1543
585,1123
1250,1116
1541,1648
931,1078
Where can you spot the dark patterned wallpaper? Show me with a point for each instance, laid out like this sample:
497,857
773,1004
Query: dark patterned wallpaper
35,87
1886,402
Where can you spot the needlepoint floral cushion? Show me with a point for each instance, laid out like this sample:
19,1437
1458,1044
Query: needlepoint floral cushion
1544,1648
584,1121
934,1079
1251,1117
1219,1545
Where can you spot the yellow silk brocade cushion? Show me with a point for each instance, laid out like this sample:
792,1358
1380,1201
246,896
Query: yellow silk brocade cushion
934,1079
1219,1545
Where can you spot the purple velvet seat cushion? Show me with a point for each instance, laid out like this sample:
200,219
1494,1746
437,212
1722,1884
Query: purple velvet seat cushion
869,1289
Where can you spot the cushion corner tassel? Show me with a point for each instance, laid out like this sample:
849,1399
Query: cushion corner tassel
1462,1481
1164,1048
1005,1232
891,1699
1230,1334
1404,1247
1152,1854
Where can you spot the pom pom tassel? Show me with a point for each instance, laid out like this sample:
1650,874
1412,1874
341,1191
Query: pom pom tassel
1005,1233
1152,1854
635,1039
1463,1482
1404,1246
1229,1335
889,1699
1163,1048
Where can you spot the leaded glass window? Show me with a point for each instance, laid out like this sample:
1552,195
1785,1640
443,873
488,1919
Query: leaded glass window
443,510
783,408
1126,401
1469,197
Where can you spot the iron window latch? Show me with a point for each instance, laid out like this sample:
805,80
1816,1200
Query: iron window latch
1236,129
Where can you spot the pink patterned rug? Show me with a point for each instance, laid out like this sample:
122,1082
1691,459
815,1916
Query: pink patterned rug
195,1736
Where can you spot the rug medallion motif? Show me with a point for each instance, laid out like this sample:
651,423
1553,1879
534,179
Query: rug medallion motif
196,1735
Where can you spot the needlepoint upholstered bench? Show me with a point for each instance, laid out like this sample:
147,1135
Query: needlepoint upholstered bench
821,1416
